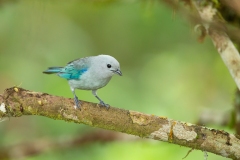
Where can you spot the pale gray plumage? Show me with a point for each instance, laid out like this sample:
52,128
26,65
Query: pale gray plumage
90,73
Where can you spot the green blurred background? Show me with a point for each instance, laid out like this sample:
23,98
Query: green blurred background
166,72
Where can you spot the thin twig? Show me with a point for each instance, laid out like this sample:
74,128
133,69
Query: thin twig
188,153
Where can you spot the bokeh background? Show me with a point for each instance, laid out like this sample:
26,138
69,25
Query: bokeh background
166,71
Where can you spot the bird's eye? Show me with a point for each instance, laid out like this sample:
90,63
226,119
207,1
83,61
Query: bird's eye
109,65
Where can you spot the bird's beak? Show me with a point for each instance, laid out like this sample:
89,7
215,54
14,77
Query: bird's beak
118,72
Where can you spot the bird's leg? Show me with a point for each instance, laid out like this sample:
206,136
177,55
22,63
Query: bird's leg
94,92
77,102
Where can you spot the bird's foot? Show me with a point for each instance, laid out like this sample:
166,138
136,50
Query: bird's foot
104,104
77,103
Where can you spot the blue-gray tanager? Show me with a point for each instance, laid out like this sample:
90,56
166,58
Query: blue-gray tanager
90,73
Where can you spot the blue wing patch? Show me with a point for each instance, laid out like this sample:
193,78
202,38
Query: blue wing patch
70,72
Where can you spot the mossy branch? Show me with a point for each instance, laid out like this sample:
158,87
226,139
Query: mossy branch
16,102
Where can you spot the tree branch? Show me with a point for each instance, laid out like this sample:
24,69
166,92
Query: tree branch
16,102
222,42
214,26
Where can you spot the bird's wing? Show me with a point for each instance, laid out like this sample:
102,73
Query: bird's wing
74,69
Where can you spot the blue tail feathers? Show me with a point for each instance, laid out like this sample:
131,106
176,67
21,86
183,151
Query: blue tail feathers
52,70
68,72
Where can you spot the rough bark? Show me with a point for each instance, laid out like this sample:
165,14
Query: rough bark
16,102
221,40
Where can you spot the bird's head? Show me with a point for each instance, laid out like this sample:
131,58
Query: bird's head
109,65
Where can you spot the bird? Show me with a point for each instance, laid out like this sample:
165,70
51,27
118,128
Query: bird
89,73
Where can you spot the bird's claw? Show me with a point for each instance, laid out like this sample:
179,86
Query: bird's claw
104,104
77,103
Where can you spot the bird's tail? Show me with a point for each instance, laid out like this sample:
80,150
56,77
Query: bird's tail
52,70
